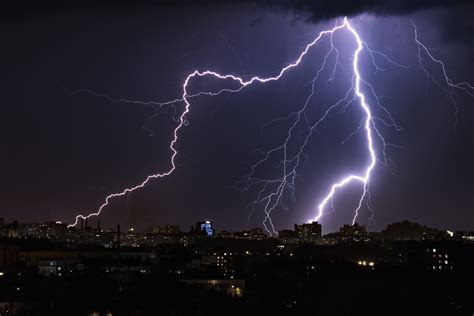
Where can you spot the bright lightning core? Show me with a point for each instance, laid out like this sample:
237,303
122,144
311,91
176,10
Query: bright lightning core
368,125
273,199
272,190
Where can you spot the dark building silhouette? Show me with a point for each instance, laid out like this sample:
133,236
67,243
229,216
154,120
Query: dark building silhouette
353,231
166,229
310,230
118,236
287,233
9,254
406,230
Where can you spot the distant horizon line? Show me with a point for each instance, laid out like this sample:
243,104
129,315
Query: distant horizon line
3,223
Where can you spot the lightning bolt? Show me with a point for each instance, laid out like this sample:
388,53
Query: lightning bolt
271,190
273,199
368,126
449,84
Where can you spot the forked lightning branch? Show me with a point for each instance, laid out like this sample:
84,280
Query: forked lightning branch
273,189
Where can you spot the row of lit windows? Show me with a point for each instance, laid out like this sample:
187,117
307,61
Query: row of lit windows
441,268
365,263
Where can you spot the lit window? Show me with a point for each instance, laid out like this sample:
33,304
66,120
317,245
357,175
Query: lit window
434,250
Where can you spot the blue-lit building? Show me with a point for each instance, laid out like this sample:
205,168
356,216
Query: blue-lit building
205,227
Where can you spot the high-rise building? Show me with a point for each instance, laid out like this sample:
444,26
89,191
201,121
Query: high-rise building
205,227
310,230
257,233
353,231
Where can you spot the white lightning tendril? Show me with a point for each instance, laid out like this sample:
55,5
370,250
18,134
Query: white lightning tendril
289,164
271,191
450,85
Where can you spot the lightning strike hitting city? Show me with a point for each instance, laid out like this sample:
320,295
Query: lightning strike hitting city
271,199
194,157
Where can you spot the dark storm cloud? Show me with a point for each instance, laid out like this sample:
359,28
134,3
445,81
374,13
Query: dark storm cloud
453,22
314,9
328,9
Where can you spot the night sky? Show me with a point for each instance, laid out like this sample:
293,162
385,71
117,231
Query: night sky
64,149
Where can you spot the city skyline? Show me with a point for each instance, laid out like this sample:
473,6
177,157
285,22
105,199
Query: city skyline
244,157
207,227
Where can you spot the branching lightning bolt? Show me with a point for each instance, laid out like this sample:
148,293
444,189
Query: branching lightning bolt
369,126
450,85
273,199
271,190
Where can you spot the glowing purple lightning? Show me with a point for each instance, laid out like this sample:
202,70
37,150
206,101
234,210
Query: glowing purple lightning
271,204
450,84
272,190
365,177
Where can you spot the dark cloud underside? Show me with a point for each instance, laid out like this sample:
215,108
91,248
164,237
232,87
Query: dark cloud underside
315,9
